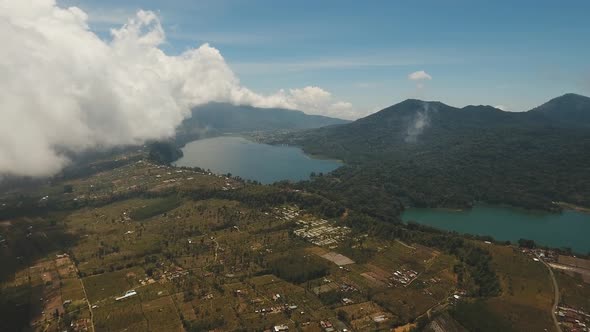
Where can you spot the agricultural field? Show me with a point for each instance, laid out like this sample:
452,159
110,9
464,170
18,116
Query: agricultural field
574,291
51,294
145,247
526,299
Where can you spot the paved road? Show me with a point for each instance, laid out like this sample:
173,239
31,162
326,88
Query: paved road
556,299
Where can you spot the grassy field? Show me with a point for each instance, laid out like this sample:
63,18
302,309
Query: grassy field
574,291
526,300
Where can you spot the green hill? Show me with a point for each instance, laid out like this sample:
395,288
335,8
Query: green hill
429,154
567,110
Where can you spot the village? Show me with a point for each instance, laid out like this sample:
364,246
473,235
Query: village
215,264
573,320
319,232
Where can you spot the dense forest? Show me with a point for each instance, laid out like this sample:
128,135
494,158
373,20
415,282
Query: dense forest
164,152
428,154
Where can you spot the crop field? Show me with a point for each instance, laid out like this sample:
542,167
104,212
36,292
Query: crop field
365,316
107,286
212,260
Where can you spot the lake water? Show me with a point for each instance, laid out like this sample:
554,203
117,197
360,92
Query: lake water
568,229
254,161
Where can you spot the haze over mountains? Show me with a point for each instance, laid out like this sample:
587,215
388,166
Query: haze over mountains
221,118
407,120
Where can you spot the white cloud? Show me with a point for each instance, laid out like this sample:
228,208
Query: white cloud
505,108
311,99
419,76
63,88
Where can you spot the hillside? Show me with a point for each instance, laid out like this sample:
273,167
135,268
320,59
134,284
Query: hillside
430,154
568,110
221,118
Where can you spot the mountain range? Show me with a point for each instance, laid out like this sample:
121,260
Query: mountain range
222,118
418,122
428,154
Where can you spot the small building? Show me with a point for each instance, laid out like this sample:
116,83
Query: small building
128,294
279,328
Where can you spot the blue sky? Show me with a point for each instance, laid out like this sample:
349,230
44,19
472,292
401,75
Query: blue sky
513,53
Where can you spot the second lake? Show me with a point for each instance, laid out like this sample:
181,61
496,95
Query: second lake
566,229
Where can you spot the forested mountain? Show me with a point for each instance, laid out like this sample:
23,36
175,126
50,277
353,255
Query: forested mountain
220,118
429,154
567,110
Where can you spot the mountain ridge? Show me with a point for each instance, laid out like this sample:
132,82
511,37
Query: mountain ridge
222,118
569,104
429,154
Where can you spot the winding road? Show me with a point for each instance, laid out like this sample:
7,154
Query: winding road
556,296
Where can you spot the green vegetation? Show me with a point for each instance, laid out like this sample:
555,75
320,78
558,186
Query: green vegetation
164,152
298,268
574,290
428,154
474,270
526,299
156,207
472,315
205,251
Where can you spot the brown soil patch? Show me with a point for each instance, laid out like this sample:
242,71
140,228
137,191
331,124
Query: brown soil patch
337,258
574,261
371,277
378,272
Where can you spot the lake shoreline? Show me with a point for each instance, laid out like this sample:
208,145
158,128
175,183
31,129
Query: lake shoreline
252,160
309,154
573,207
557,230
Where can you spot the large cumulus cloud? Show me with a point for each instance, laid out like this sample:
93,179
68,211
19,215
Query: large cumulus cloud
62,88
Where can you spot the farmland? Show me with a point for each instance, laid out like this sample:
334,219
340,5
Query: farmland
146,247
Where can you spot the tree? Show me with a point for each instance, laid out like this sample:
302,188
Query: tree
68,188
525,243
343,316
164,152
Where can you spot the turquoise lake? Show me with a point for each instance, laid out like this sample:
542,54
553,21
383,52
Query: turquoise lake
269,163
253,161
567,229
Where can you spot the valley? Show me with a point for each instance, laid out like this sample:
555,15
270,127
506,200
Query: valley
310,166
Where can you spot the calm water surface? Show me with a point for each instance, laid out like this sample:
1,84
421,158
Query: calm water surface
254,161
568,229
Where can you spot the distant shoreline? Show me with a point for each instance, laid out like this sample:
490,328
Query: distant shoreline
569,206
